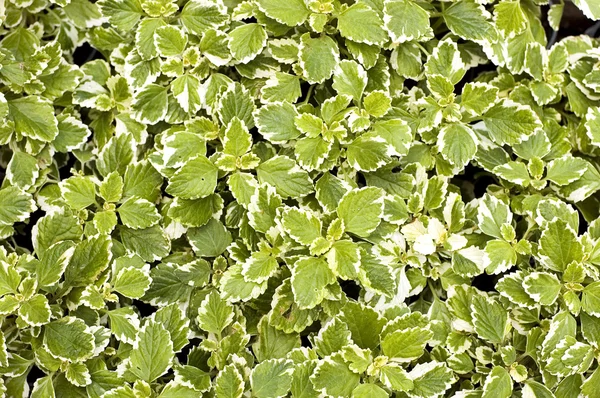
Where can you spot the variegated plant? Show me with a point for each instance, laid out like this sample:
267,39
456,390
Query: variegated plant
299,198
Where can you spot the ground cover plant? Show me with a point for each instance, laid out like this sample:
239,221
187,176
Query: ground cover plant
300,198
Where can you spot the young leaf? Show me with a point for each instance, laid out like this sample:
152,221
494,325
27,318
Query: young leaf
152,352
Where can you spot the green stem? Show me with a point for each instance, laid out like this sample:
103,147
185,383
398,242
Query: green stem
433,291
422,49
308,94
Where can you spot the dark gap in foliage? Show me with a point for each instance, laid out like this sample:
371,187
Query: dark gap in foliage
34,374
86,53
360,180
144,309
485,282
583,224
350,288
304,341
23,235
409,83
474,181
572,23
65,171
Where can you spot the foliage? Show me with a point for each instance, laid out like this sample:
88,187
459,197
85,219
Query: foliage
303,198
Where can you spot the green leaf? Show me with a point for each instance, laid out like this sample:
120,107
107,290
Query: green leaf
592,125
350,79
510,123
559,246
395,377
15,205
310,276
369,390
150,104
89,259
284,174
151,244
510,18
214,314
590,299
281,87
176,323
446,61
196,212
344,259
237,139
405,21
173,283
22,170
318,58
132,282
144,37
111,189
169,41
542,287
69,339
430,380
78,374
196,179
54,228
311,153
332,337
291,13
515,172
236,102
365,324
489,318
569,357
499,256
124,14
229,383
272,378
209,240
590,8
72,134
43,388
78,192
116,155
360,23
492,214
53,263
33,117
469,20
566,170
198,16
276,122
152,352
35,311
361,210
457,143
186,90
214,47
138,213
328,374
478,97
303,226
368,152
377,103
406,345
498,384
247,41
262,210
259,267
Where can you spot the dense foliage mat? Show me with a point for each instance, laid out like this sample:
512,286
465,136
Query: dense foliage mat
304,198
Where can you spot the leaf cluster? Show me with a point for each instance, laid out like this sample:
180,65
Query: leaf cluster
303,198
